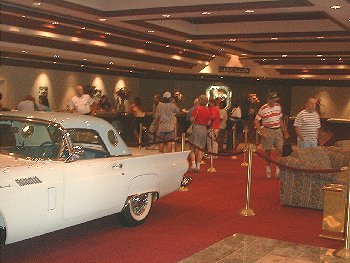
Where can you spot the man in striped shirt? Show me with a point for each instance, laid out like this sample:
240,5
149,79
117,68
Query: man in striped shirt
307,125
270,115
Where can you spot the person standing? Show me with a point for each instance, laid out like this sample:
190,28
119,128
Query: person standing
201,118
152,130
137,109
82,103
307,125
272,129
222,125
164,117
43,104
27,104
212,139
234,118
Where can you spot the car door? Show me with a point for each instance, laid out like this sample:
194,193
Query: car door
94,186
95,183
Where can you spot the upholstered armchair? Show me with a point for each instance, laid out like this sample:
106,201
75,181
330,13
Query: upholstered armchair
341,147
303,189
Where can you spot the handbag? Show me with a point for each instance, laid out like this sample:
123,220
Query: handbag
190,128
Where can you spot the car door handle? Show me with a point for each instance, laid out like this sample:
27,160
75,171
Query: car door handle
120,165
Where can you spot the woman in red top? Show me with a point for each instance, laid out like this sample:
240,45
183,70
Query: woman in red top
215,127
200,118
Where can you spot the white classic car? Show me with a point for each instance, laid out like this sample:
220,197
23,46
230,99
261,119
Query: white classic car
59,169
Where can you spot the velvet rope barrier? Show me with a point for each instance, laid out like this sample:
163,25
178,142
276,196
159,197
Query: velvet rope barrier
283,166
216,154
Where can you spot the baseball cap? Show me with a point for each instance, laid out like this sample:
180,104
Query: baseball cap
272,96
167,95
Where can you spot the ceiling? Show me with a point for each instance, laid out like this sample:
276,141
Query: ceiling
264,39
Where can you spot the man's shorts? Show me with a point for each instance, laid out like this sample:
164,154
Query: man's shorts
274,139
170,135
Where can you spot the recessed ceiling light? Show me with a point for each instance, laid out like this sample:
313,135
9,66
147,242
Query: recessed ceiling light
102,19
249,11
335,6
166,15
36,4
232,39
206,13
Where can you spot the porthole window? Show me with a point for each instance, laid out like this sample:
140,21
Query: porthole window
112,137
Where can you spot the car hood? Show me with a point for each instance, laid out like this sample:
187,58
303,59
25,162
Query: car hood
10,161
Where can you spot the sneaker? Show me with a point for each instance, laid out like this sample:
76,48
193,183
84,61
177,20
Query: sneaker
193,170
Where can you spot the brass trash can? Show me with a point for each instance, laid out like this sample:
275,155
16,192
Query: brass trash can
334,205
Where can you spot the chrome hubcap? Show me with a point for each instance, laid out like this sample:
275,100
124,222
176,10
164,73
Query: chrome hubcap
139,203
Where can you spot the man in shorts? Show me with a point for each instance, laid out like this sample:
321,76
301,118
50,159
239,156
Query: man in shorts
272,129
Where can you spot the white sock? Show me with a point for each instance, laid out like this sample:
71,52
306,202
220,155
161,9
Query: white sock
193,165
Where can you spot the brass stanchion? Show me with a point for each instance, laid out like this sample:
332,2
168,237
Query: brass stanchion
256,137
247,211
245,146
345,251
234,129
211,168
140,135
183,141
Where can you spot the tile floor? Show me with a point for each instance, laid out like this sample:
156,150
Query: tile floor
241,248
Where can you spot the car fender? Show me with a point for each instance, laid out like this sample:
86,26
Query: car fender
144,184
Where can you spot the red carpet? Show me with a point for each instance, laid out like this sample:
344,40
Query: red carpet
182,223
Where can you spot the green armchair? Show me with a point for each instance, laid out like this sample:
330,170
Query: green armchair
303,189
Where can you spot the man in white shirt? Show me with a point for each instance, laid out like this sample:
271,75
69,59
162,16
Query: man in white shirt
27,104
307,125
81,103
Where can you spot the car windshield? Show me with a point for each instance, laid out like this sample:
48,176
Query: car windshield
30,139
